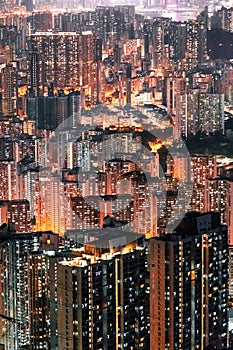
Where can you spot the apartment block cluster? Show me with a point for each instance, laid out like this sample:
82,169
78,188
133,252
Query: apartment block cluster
113,55
106,293
91,255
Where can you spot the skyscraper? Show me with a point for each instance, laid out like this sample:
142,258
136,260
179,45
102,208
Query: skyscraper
159,30
16,212
199,111
28,289
60,58
74,107
108,290
189,285
203,167
9,89
42,291
34,72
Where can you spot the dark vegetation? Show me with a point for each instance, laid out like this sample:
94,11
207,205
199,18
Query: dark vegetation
220,44
212,144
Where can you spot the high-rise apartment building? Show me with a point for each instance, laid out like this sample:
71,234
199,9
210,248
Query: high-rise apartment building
199,111
189,285
223,19
51,111
177,41
218,197
24,280
203,167
9,183
14,294
181,45
160,28
106,285
16,212
42,291
29,189
34,73
9,89
196,43
62,54
175,87
74,107
115,20
41,20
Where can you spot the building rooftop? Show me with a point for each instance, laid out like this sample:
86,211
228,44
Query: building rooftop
193,224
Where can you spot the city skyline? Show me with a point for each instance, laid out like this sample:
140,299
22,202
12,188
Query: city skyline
116,168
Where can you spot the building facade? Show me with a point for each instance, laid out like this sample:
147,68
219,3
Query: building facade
189,285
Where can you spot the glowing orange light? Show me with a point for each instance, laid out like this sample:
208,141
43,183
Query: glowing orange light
155,146
22,90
